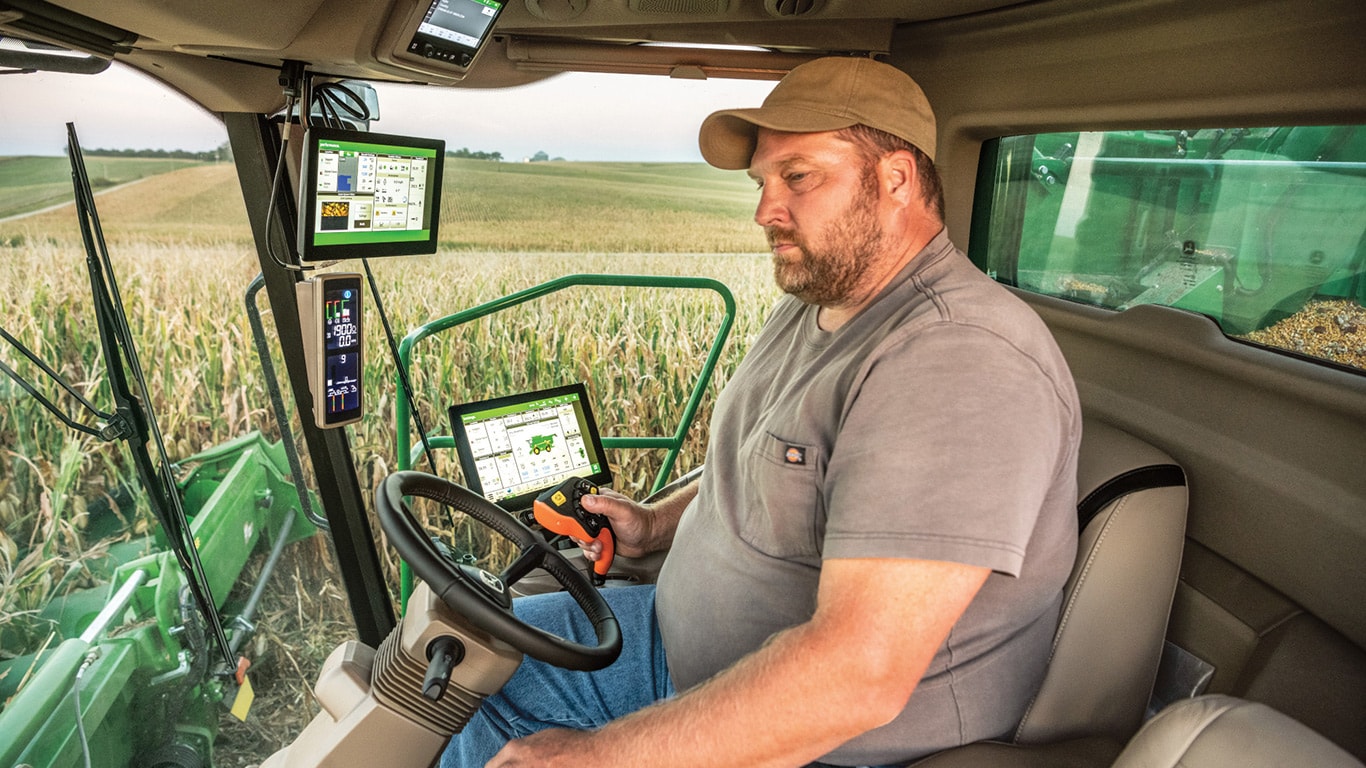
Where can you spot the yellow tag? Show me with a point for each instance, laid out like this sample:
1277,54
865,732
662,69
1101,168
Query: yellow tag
245,696
558,498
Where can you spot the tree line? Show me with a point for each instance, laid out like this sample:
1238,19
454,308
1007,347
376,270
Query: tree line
222,153
467,154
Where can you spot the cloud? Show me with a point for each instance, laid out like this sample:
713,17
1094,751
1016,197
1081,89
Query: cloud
576,116
120,108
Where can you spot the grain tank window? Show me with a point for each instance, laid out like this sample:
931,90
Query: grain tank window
1261,229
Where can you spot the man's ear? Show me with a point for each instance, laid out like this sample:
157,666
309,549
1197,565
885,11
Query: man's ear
899,176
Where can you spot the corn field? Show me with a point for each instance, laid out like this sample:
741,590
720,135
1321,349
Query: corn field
183,258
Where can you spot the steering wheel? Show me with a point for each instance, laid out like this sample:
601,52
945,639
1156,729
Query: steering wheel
484,598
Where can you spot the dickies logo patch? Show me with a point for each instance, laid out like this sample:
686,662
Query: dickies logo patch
795,454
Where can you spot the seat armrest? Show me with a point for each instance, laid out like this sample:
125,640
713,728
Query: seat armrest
1224,732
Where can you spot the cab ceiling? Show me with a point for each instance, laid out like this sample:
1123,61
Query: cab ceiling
224,55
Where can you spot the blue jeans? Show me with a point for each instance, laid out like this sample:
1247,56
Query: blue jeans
541,696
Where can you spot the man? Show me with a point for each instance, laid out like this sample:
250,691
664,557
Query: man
871,567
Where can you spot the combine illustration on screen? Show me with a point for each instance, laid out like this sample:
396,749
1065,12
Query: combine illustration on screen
514,447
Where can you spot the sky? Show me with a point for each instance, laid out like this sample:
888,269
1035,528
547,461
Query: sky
575,116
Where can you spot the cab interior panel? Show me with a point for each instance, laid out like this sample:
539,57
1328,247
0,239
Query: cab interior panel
1273,580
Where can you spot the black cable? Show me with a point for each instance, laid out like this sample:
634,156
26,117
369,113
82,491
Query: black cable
334,99
275,186
330,118
324,102
360,110
406,383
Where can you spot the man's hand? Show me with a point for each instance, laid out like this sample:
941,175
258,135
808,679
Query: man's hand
639,528
553,748
631,523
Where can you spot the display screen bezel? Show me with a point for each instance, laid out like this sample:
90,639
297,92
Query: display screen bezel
420,36
587,426
315,244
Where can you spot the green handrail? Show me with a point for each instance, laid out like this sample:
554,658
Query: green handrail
408,453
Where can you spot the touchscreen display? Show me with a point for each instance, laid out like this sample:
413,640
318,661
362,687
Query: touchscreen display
463,22
512,448
367,195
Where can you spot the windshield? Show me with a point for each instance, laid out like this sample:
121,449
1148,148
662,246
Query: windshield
580,174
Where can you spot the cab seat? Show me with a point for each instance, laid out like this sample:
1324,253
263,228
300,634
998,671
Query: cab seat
1132,519
1226,732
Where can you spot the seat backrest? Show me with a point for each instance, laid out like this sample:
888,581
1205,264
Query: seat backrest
1224,732
1132,518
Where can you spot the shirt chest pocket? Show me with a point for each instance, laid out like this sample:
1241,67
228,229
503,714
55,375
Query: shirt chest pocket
784,514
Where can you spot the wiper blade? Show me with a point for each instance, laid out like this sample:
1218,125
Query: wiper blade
116,339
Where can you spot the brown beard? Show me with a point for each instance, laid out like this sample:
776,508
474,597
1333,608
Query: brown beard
830,271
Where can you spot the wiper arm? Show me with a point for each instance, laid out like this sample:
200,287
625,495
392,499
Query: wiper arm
116,340
116,426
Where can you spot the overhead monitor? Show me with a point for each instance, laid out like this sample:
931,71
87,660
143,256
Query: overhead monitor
444,36
512,448
363,195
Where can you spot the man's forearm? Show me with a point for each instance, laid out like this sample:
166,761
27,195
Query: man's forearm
804,693
731,720
665,514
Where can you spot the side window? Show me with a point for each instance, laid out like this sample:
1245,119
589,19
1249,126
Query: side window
1261,229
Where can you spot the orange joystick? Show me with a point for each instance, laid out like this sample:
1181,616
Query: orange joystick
559,511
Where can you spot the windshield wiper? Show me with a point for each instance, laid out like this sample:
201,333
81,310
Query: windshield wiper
131,421
116,427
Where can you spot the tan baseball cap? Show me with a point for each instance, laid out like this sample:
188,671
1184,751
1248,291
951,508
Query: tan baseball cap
824,95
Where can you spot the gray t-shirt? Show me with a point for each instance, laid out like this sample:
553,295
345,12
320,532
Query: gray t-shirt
941,423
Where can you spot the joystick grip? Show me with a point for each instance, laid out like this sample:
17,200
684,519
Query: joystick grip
559,511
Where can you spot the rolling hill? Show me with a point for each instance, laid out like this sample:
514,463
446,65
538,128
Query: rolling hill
486,206
33,183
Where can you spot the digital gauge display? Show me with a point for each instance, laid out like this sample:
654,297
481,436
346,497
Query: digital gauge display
341,396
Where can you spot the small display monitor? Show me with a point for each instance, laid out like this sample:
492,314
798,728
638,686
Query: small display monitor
446,35
513,448
455,30
342,355
330,317
363,195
